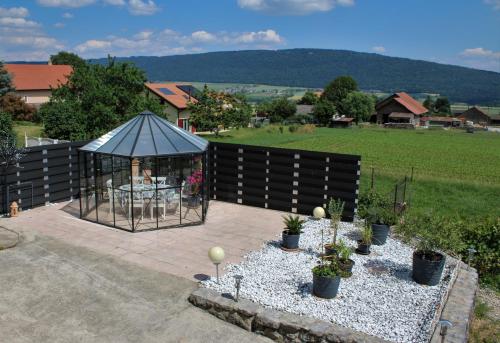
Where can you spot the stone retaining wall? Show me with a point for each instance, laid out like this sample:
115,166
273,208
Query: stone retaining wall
288,327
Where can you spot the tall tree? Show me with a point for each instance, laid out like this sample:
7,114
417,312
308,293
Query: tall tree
442,105
309,98
216,110
277,110
323,112
429,103
5,81
337,90
96,99
64,57
358,105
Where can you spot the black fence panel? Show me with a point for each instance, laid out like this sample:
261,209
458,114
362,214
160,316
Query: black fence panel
46,174
283,179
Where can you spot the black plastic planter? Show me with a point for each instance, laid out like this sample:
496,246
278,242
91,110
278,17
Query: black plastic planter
380,233
347,265
330,250
363,249
427,271
325,287
290,241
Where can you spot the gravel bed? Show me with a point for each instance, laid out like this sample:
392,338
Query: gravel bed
380,298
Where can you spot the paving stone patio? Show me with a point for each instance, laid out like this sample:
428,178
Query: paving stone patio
179,251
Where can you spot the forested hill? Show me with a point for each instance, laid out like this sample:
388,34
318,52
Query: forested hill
315,67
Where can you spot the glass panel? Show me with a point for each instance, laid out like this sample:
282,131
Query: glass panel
88,197
192,189
103,165
121,192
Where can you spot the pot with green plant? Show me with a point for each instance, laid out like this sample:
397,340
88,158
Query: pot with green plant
365,242
431,235
345,252
326,278
335,210
291,234
381,220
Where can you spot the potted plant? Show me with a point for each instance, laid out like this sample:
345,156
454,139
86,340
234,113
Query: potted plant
366,240
381,220
326,279
345,252
430,234
193,188
291,234
335,209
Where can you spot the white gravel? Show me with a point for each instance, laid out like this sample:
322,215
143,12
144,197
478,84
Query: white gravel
380,298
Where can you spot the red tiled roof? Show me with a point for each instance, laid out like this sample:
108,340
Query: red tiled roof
38,76
179,99
411,104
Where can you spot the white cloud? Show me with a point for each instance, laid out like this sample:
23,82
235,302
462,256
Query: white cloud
480,52
59,25
115,2
168,42
65,3
17,22
379,49
14,12
292,7
142,7
67,15
494,3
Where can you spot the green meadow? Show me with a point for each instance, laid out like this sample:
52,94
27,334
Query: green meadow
455,173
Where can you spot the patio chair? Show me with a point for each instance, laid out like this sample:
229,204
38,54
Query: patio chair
109,186
160,180
137,203
138,180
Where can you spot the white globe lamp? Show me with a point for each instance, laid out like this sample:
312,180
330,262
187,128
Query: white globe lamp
318,213
216,255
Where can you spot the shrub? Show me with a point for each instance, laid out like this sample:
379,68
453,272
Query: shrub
372,199
308,128
366,234
293,128
293,224
381,215
17,108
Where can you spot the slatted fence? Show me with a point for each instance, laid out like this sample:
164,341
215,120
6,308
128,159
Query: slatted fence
283,179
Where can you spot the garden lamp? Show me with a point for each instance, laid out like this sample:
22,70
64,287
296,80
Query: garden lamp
471,251
445,325
318,213
216,255
238,279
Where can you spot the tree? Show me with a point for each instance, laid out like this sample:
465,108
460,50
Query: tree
323,112
215,110
429,103
358,105
96,99
17,108
309,98
442,105
337,90
277,110
5,81
9,154
64,57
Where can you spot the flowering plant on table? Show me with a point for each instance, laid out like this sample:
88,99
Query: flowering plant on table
194,182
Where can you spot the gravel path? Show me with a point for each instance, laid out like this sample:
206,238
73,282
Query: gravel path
380,298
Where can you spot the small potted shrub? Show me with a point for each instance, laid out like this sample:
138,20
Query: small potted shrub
291,234
326,279
381,220
430,234
335,210
345,252
366,240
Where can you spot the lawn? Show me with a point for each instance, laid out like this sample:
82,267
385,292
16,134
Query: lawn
29,128
455,173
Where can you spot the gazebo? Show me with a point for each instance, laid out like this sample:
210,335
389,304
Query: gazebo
146,174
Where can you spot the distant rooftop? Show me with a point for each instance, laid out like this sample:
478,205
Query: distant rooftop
38,76
177,95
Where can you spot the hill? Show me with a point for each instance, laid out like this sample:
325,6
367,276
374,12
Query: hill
315,67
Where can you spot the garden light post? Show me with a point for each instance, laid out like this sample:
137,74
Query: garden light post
471,251
216,255
238,279
445,325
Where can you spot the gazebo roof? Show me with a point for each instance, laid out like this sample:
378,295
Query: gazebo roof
147,135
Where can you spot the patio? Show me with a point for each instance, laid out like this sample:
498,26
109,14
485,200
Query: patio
178,251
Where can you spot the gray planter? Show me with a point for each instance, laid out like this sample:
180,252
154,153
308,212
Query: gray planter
380,233
425,271
325,287
290,241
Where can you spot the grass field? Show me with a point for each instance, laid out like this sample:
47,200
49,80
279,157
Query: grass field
455,173
25,127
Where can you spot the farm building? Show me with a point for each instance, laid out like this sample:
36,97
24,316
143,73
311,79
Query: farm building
342,122
480,117
399,108
440,121
34,82
175,98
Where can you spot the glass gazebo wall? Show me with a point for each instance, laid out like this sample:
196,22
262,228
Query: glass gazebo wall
147,193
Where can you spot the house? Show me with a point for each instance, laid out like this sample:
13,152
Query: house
399,108
343,122
440,121
480,117
175,98
34,82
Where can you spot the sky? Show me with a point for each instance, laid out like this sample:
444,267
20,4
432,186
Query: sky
461,32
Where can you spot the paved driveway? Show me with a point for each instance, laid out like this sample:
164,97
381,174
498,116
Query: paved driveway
53,292
181,251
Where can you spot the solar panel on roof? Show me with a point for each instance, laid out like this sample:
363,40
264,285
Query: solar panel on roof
166,91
